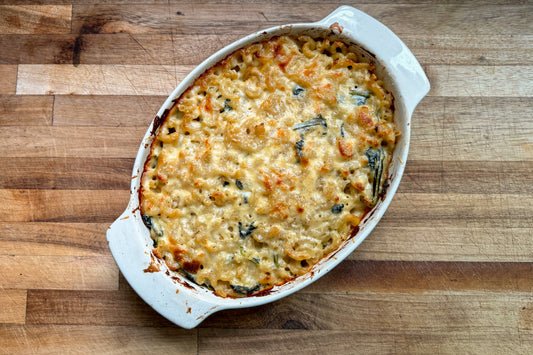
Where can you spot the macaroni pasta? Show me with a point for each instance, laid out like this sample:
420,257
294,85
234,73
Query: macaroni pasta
267,163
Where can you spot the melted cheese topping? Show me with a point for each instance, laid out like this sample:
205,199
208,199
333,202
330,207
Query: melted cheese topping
267,163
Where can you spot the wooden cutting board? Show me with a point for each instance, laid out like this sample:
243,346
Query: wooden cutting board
449,269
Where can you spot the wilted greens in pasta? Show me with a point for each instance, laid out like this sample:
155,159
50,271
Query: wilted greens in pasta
267,163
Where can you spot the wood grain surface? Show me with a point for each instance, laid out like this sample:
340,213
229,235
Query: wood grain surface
448,270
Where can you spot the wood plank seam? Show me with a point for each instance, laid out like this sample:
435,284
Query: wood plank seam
26,310
17,79
53,107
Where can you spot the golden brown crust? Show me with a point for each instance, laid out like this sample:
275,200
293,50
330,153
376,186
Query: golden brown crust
267,163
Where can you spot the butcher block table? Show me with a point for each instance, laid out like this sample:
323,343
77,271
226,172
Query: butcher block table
449,269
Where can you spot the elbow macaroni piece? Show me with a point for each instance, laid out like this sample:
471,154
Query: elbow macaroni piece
267,163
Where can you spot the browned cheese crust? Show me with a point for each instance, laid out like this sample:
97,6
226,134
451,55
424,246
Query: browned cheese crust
266,163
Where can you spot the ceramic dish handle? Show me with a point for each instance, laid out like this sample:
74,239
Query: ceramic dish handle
156,289
409,76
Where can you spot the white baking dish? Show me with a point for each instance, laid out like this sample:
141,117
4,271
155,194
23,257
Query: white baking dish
187,304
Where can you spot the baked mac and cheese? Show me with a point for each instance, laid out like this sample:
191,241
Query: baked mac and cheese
267,163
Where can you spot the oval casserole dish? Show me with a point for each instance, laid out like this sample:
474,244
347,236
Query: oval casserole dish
187,304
